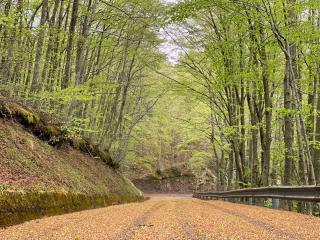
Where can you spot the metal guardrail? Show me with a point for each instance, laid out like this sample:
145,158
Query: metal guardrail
300,193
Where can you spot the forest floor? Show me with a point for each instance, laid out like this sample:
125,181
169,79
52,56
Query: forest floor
171,217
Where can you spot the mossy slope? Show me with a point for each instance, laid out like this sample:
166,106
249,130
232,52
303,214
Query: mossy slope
39,179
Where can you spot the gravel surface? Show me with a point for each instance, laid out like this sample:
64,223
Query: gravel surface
171,218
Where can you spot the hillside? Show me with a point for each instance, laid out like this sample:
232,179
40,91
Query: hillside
31,165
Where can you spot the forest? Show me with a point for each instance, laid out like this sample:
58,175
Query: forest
226,86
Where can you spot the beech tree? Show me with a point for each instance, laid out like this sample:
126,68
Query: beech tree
245,58
83,61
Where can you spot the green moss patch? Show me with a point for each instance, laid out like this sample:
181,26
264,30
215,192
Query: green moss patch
19,206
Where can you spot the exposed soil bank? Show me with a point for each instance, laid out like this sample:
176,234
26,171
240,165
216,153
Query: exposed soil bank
172,184
177,179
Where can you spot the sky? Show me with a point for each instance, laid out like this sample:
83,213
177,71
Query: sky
169,1
172,51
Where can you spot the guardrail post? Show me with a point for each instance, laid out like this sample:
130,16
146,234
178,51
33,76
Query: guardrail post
275,203
250,201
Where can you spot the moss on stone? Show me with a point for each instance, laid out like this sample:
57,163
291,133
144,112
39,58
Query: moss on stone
27,117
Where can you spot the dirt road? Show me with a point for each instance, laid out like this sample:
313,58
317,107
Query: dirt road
171,218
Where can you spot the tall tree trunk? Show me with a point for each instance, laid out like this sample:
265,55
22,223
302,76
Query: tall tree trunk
316,130
53,78
289,80
230,170
68,63
49,53
288,125
266,145
316,149
17,75
254,139
82,44
5,61
241,101
40,43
